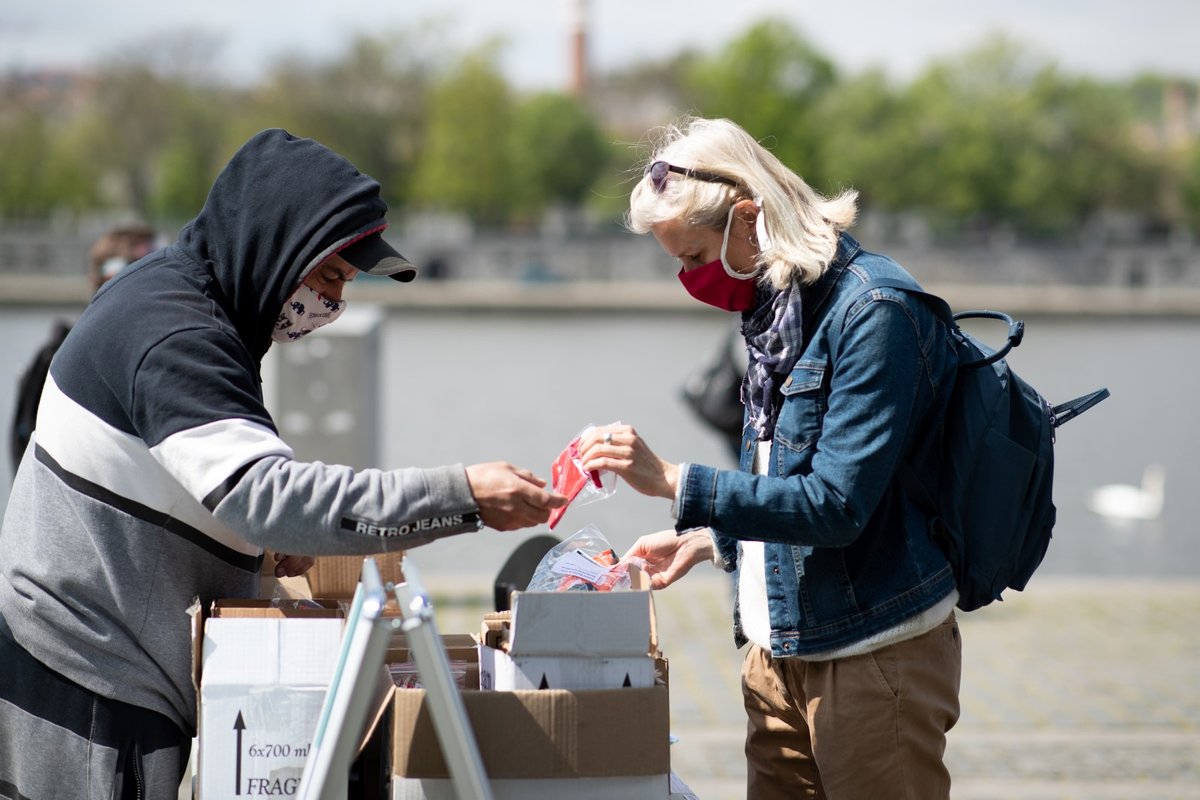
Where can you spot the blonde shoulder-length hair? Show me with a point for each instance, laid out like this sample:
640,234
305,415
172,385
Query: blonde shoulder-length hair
802,225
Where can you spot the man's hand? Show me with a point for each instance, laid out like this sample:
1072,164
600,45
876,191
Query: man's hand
510,497
670,556
290,566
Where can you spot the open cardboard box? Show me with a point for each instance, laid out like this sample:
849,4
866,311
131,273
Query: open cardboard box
261,674
535,744
571,640
551,743
583,744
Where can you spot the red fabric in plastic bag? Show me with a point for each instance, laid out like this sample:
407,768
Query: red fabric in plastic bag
569,479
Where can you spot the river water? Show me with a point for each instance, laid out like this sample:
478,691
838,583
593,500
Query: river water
469,386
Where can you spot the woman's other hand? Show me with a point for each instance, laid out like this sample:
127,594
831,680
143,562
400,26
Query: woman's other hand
669,556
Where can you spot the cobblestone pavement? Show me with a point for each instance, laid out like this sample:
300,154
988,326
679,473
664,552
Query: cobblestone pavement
1077,689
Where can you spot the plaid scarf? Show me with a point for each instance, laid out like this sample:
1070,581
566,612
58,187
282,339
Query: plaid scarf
774,341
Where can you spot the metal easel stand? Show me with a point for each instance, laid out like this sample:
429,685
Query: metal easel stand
449,715
353,691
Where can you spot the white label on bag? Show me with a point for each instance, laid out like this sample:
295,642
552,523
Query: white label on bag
577,564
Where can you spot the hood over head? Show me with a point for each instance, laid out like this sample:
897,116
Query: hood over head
280,207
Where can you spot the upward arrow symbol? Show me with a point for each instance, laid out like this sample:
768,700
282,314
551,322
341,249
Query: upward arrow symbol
239,725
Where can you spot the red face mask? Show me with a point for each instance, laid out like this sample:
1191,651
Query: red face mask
717,284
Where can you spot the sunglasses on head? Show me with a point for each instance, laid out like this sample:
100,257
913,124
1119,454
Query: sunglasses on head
659,169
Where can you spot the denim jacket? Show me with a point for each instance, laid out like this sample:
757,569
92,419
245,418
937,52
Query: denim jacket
848,555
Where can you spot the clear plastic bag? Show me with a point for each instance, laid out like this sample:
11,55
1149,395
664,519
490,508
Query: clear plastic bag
291,597
578,485
584,561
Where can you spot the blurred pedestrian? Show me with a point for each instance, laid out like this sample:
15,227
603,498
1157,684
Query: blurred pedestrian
109,254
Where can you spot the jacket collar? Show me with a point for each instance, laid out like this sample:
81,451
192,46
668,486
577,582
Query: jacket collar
817,295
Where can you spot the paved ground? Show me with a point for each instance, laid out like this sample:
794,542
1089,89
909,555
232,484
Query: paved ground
1080,689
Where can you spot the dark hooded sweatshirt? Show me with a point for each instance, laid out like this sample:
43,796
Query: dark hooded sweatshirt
157,475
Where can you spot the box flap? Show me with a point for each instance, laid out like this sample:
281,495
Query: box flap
195,614
458,647
581,623
493,631
381,701
268,609
258,651
501,671
337,576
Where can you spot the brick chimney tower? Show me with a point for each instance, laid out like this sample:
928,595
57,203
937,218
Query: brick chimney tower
579,76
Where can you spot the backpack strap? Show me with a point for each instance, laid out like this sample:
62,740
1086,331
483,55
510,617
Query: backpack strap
1073,408
1016,328
905,474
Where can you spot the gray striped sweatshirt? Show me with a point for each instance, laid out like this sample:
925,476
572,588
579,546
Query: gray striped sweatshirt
156,474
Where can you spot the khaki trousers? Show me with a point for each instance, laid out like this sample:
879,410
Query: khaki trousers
868,727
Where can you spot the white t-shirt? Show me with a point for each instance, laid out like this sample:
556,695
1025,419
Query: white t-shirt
756,620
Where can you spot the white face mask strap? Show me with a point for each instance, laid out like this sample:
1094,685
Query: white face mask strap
112,266
730,271
760,227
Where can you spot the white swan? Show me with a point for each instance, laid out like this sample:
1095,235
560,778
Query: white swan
1124,502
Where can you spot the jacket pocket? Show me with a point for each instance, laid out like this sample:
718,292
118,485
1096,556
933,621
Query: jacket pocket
803,406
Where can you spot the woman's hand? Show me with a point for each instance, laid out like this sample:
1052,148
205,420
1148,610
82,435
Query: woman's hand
670,556
619,449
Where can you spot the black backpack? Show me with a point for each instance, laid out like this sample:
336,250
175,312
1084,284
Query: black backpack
992,512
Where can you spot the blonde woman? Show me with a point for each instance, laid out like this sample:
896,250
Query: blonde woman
851,678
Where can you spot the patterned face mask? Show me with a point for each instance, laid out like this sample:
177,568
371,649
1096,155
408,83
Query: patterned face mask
304,312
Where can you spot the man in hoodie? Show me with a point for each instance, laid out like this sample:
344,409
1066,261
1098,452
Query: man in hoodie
156,475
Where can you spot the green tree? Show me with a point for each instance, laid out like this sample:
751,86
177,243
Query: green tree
128,123
42,173
998,134
1080,159
193,151
771,80
1191,187
154,125
370,104
557,151
465,164
1162,111
867,136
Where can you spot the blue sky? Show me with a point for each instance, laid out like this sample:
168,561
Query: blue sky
1103,38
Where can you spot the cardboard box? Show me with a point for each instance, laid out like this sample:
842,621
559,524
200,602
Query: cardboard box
337,576
571,640
542,744
261,676
537,744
